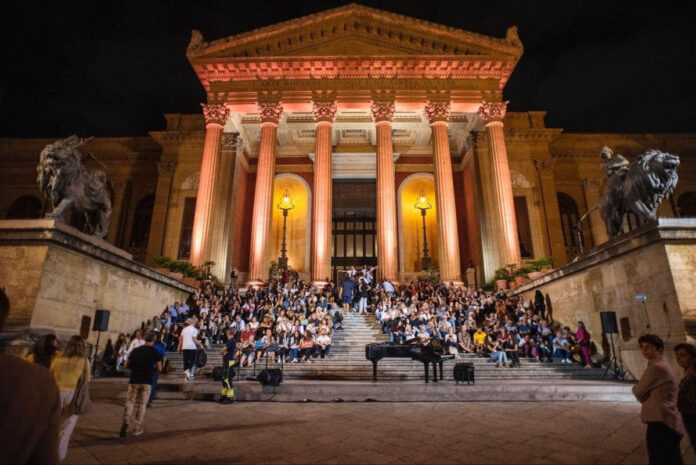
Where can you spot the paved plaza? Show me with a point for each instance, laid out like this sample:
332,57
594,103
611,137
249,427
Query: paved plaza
191,432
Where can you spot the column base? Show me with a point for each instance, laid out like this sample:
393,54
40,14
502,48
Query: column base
320,284
255,284
455,283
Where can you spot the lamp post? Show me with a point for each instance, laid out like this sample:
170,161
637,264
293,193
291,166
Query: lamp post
285,206
642,299
423,205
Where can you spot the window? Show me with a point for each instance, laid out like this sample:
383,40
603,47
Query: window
141,222
686,205
569,220
524,232
187,228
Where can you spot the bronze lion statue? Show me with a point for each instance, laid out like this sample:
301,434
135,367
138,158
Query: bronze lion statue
65,183
639,186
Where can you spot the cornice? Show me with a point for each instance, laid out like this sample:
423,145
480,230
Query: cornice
174,138
545,136
405,28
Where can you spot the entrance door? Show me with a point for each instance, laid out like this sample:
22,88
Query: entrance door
354,225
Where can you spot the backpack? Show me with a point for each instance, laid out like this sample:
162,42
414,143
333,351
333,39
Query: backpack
201,358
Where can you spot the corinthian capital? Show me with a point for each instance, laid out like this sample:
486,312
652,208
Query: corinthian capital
215,114
437,111
382,110
270,112
493,111
324,111
230,140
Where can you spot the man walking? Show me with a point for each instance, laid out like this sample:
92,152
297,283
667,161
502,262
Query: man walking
142,363
188,344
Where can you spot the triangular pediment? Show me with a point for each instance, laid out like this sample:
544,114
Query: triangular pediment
354,30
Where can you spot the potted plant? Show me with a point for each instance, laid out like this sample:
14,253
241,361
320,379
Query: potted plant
501,278
536,266
521,275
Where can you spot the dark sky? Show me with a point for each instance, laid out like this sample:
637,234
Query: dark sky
111,68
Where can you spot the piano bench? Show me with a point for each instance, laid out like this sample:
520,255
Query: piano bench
464,371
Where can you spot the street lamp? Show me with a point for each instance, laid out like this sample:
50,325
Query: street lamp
285,205
423,205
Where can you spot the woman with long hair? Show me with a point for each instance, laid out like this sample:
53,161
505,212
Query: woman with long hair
120,350
68,368
686,398
45,349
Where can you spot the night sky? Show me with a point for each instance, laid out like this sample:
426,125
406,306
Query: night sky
113,68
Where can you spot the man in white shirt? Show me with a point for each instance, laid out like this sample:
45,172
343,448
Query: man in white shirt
137,341
188,344
323,344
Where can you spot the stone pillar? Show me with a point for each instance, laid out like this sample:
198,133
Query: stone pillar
387,243
551,211
119,216
592,198
270,113
505,223
324,114
447,234
204,234
158,226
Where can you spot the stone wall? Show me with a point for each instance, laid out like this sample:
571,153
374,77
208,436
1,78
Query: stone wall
54,275
658,260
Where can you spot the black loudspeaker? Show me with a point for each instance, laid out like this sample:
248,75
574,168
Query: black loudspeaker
609,325
101,320
270,377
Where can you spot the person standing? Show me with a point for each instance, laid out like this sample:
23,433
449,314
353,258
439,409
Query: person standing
686,399
657,392
583,337
142,362
68,369
189,344
161,348
228,363
363,293
31,407
347,288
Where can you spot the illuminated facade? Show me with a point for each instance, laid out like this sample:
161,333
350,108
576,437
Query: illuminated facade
355,112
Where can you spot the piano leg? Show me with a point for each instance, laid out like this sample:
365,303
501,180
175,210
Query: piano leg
374,371
440,369
425,366
434,372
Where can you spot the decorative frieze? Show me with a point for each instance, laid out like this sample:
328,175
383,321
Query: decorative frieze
270,112
493,111
437,111
215,114
166,168
383,110
544,166
324,111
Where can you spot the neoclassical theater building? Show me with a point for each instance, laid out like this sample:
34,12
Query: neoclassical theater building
355,113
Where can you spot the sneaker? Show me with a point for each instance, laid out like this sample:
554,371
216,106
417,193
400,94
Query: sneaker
138,431
497,365
226,400
588,366
124,430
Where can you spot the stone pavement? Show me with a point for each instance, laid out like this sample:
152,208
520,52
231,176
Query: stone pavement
191,432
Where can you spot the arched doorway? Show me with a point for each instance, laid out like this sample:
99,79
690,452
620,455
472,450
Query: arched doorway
142,218
569,220
24,208
687,205
411,222
298,230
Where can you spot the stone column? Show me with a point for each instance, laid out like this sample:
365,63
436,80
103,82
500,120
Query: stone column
324,114
387,244
447,234
158,226
552,214
119,212
204,219
505,223
591,188
270,113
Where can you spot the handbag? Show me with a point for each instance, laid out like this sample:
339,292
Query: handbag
201,358
81,402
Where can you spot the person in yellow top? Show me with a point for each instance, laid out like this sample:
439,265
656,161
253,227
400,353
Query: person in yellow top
44,351
67,370
479,340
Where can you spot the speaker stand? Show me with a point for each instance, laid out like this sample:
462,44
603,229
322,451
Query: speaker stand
614,366
94,356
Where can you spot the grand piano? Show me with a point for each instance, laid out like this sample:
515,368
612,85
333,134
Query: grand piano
425,354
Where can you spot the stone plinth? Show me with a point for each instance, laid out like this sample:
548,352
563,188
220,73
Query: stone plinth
658,260
54,275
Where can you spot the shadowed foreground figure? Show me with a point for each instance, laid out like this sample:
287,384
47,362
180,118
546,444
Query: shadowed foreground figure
30,409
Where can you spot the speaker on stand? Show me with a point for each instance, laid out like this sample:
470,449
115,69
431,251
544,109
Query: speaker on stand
610,327
101,323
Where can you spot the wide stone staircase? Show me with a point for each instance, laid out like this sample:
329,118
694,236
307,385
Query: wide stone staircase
347,361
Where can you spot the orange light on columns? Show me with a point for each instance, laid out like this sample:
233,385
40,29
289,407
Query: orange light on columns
215,116
270,114
383,113
448,236
324,114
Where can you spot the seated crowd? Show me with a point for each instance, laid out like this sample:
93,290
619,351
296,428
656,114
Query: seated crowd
289,320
